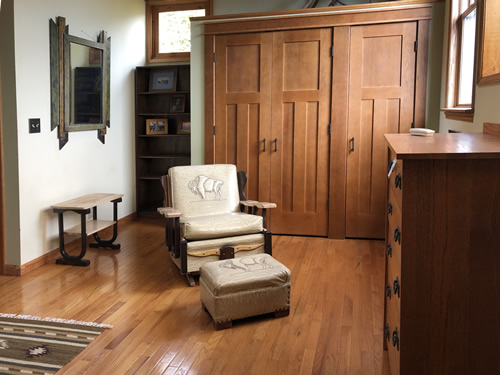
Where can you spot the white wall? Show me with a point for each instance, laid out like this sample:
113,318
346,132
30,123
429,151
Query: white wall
486,105
48,175
487,109
197,93
433,94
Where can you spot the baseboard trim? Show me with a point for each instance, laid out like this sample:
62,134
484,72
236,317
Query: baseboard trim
11,270
51,256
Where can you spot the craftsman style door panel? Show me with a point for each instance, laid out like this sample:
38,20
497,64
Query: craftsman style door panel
301,87
272,114
381,100
243,107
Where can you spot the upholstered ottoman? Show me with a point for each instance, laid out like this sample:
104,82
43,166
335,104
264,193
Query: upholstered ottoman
241,287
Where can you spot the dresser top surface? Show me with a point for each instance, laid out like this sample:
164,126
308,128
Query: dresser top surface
445,146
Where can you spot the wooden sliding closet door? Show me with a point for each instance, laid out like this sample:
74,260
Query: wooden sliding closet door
381,100
272,113
301,89
243,107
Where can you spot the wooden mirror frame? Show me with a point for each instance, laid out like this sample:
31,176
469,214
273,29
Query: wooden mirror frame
60,77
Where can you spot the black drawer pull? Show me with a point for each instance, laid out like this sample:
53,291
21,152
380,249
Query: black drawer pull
397,235
396,286
389,208
397,181
389,250
395,338
264,150
387,332
388,291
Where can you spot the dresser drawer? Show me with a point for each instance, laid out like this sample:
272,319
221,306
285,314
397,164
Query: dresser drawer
394,205
396,182
392,328
392,331
393,284
394,237
392,350
393,271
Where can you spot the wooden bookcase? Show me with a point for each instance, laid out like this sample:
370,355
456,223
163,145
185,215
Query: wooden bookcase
156,153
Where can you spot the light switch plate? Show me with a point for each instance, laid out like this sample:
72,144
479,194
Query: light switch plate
34,124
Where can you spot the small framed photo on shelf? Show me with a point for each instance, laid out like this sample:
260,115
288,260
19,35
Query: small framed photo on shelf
156,126
178,103
163,80
184,126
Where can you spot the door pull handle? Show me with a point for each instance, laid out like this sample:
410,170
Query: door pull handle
352,144
264,145
275,144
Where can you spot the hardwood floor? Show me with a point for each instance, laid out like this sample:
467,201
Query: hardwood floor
334,327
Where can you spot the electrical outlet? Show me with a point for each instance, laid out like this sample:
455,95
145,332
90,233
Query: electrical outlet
34,124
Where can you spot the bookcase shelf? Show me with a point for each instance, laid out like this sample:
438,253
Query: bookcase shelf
156,153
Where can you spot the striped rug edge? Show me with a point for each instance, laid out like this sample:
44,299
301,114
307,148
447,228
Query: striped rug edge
55,320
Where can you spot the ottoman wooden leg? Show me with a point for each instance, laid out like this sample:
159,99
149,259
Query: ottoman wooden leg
281,313
223,325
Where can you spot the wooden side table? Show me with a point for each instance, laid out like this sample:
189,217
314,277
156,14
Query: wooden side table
83,205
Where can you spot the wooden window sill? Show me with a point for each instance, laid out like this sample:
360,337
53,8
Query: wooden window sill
170,57
459,114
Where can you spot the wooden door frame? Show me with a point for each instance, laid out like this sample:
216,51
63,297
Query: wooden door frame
2,193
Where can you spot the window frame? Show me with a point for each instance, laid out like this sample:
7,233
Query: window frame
453,110
153,8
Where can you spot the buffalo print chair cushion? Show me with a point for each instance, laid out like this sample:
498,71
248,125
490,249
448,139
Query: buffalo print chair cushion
201,190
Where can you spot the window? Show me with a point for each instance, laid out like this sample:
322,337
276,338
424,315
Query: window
168,29
461,60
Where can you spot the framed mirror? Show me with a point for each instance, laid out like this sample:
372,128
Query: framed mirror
79,82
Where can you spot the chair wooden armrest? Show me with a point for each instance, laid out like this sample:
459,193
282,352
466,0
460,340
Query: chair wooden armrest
169,212
258,204
248,203
266,205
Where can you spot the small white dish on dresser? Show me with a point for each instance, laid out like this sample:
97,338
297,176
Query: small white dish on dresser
423,132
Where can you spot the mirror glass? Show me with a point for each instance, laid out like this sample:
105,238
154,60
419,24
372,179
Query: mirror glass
86,84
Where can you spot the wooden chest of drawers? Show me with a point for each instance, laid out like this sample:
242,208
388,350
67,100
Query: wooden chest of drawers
442,304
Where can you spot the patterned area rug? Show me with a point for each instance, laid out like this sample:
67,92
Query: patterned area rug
42,346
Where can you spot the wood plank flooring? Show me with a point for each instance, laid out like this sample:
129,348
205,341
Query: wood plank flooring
334,327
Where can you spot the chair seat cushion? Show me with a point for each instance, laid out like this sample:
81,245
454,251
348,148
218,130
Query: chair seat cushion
223,225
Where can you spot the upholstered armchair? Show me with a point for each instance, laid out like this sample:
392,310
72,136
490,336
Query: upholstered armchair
205,218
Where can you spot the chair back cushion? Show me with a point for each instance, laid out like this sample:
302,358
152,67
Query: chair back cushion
199,190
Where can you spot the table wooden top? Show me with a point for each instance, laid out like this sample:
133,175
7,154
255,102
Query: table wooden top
445,146
86,201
